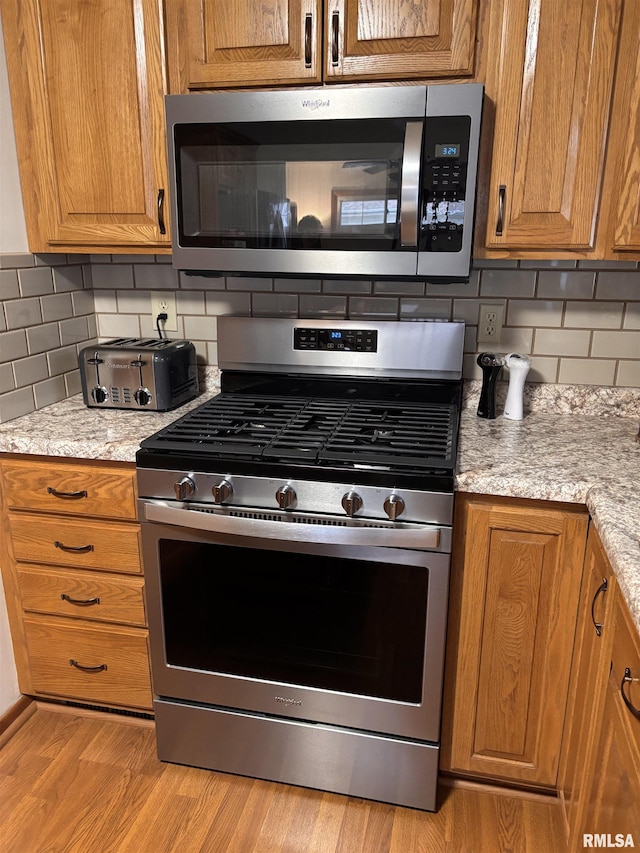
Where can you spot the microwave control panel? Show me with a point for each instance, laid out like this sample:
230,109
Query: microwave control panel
444,183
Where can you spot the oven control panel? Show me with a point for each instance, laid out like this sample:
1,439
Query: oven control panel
341,340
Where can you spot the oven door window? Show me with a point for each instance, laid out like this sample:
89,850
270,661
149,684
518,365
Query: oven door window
294,185
341,624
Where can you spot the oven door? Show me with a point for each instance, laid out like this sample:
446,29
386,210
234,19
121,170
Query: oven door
303,626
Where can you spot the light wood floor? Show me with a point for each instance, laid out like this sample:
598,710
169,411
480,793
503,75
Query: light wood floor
92,784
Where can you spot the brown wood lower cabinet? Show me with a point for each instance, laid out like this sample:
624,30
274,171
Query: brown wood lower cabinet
514,595
71,566
599,782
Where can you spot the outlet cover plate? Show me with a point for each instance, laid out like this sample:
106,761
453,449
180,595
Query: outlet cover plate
490,322
164,302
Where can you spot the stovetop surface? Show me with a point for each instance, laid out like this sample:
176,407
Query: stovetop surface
269,424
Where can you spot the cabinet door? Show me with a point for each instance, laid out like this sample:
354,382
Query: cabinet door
87,87
514,597
613,807
549,74
622,181
395,40
211,44
589,673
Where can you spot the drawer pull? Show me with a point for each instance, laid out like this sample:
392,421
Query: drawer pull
79,602
80,549
102,667
68,495
626,680
598,625
502,195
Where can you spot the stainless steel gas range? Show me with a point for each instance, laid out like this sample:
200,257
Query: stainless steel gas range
297,538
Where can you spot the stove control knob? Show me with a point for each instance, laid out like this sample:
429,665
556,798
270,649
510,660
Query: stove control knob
99,394
222,491
351,503
184,488
394,506
286,497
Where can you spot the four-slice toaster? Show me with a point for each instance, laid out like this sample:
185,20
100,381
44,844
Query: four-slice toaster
137,373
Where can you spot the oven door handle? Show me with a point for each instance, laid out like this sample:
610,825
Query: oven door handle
397,536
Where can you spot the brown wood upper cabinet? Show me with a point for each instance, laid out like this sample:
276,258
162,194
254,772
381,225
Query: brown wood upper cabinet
308,41
87,84
549,73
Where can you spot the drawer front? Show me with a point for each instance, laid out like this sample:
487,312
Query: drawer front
70,489
86,595
74,542
89,662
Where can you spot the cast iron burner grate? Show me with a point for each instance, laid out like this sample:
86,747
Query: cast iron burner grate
318,431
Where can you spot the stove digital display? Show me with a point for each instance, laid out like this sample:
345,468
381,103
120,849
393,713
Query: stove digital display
339,340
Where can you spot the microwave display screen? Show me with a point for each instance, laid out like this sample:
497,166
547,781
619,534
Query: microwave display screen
451,150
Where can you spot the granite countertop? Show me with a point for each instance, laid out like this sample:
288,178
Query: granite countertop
577,458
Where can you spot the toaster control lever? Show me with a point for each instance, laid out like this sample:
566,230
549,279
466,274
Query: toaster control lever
142,396
137,362
96,361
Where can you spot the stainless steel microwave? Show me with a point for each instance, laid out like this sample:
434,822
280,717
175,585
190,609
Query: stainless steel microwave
364,181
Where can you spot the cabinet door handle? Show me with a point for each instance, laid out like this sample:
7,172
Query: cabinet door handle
161,225
79,549
307,40
335,35
502,197
626,680
102,667
598,625
67,495
79,602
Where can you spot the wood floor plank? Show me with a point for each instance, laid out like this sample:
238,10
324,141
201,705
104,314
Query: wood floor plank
94,785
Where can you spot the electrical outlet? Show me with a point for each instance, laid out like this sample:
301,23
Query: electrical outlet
490,322
164,302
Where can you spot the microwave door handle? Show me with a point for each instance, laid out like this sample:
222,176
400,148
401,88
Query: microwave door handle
410,191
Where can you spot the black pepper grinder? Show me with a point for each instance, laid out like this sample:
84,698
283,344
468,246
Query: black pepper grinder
491,366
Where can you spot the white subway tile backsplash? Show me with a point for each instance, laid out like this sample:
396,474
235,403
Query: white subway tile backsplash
14,404
375,308
559,284
57,307
68,278
274,305
628,374
234,303
35,282
7,379
587,371
13,345
112,276
561,342
594,315
43,338
632,316
118,326
152,276
616,345
516,283
28,371
22,313
543,369
534,312
424,308
580,321
618,285
323,305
